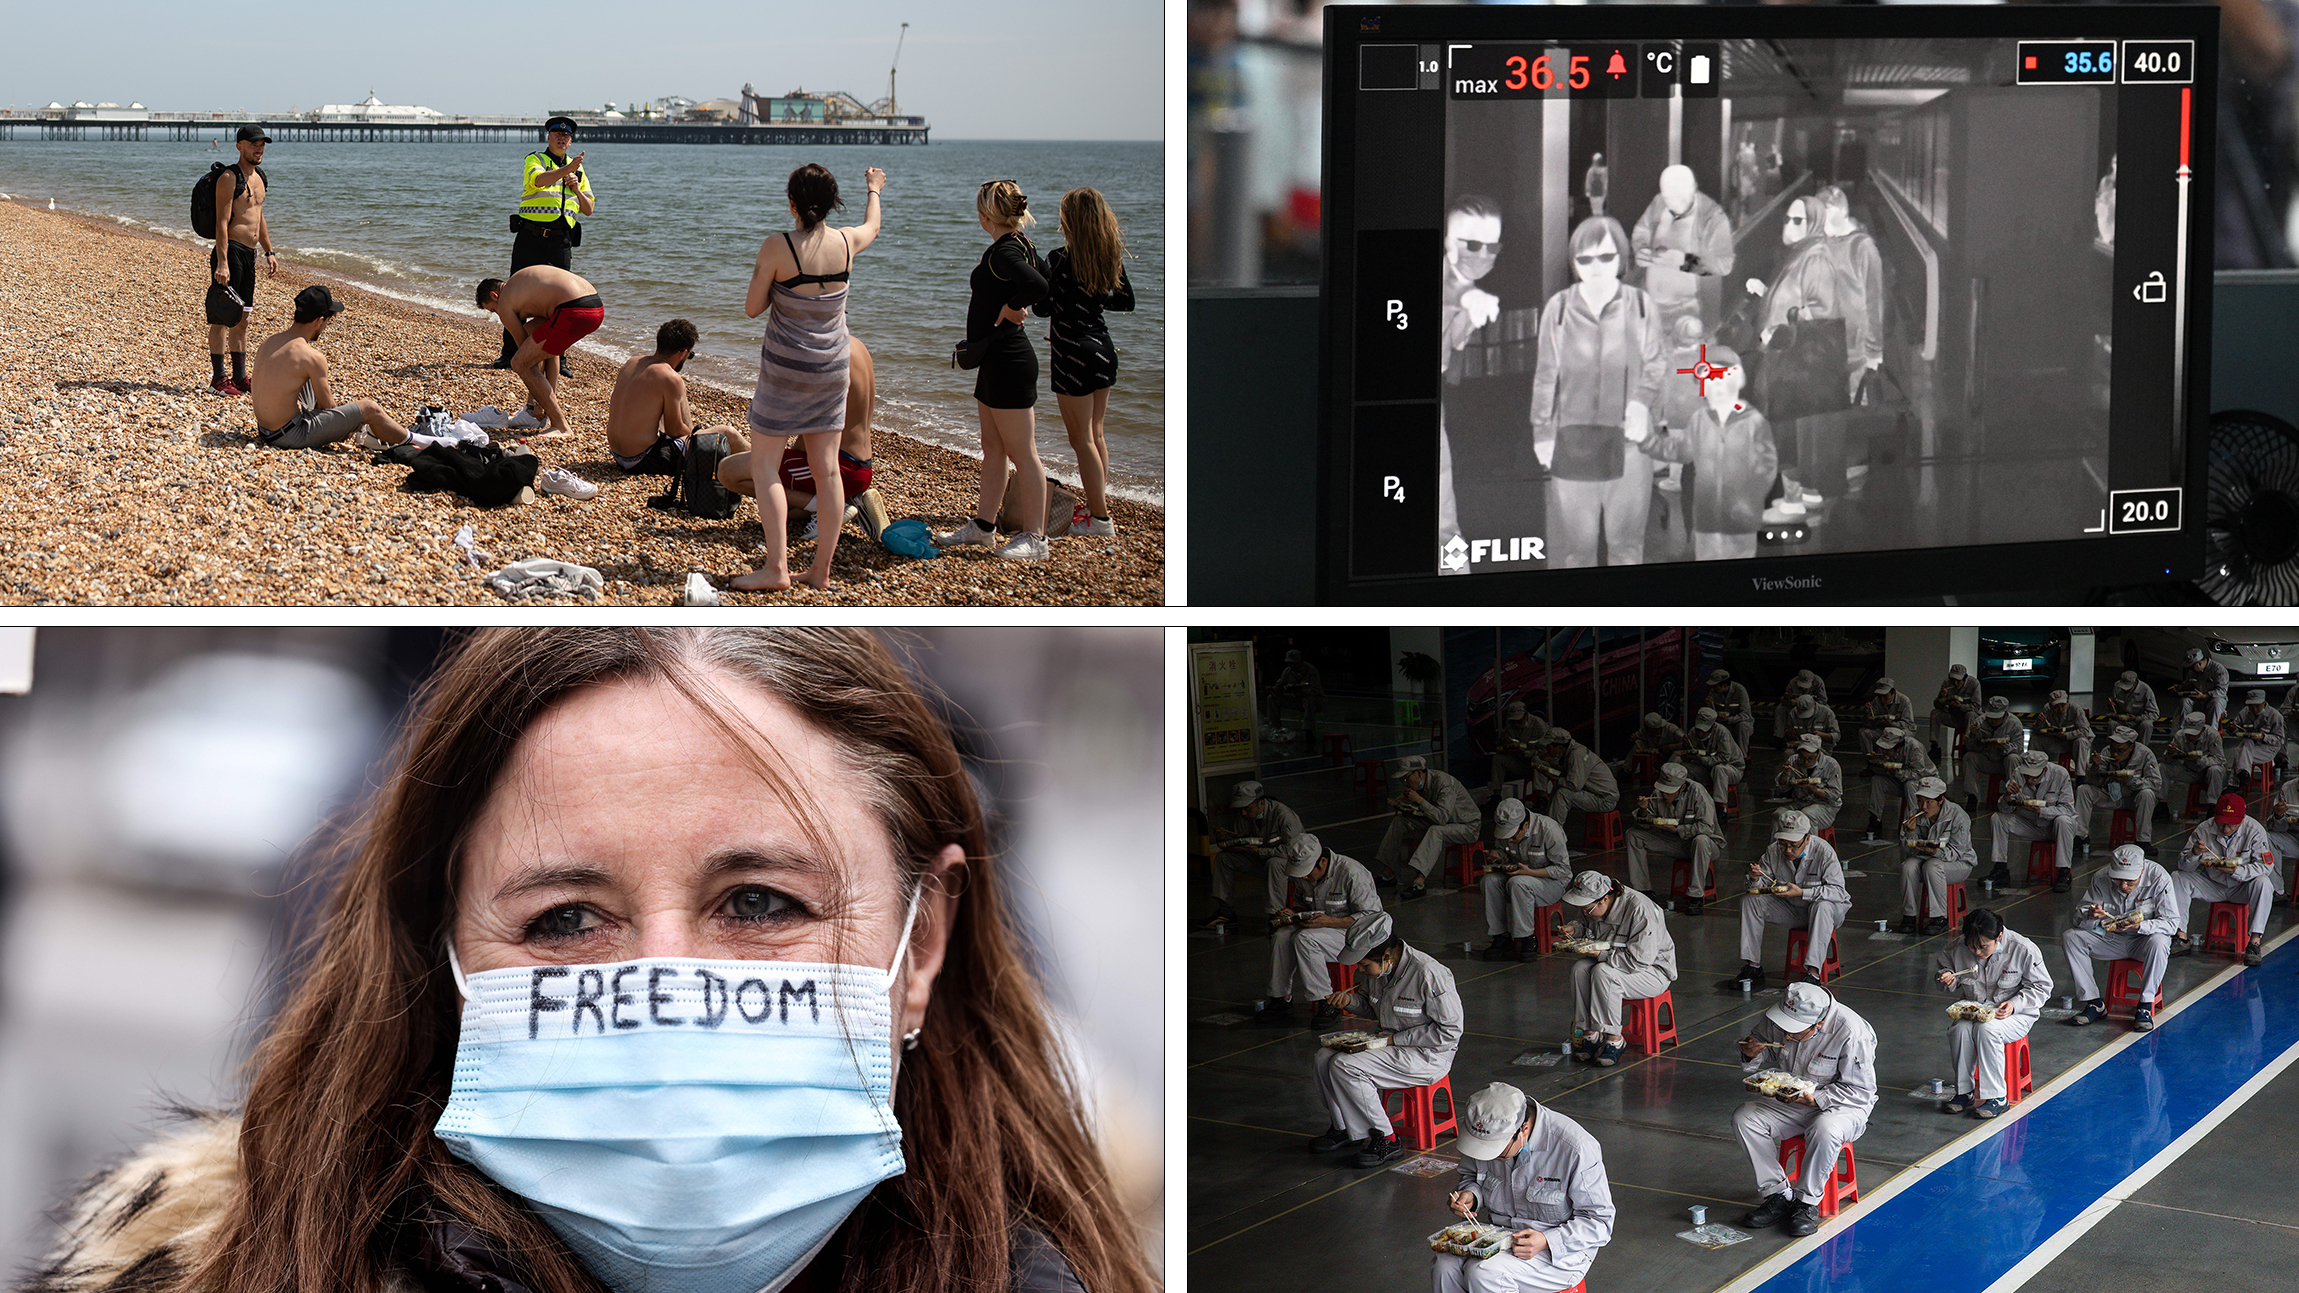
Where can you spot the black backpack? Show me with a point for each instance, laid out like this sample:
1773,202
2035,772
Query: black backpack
204,197
698,478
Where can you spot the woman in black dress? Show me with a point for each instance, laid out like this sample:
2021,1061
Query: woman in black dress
1009,280
1085,276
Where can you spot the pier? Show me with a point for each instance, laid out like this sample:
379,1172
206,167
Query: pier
306,127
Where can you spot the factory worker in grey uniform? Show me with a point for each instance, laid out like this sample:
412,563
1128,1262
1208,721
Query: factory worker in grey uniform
2281,821
2123,774
2129,883
1710,755
1804,715
1527,869
1536,1173
1573,777
2063,729
1887,708
2202,685
1340,920
1805,683
1657,738
1953,710
1935,852
1690,832
1897,762
1412,1000
2259,735
1994,739
2230,833
1258,844
1640,963
1814,1036
2193,757
1733,708
2131,703
1433,809
1996,967
1816,899
2038,803
1297,684
1811,782
1513,745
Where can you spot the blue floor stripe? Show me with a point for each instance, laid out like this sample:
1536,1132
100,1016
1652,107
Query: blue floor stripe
1978,1215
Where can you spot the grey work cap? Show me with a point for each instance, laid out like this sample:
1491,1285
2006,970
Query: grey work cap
1801,1005
1513,711
1788,824
1586,888
1491,1120
1999,704
1717,677
1508,818
1303,859
2032,762
1246,793
2255,697
1704,718
1412,763
1809,742
2126,862
2058,697
2122,735
1671,778
1955,671
1883,685
1931,788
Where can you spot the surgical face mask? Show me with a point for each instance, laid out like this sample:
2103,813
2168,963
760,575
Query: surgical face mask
703,1126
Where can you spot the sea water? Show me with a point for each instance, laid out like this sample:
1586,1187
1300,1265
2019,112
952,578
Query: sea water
675,234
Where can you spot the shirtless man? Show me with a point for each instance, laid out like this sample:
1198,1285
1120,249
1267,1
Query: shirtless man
565,309
648,417
795,475
240,229
293,403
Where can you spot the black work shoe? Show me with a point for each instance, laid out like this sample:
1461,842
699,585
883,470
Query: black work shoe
1750,974
1412,891
1325,1017
1936,925
1379,1150
1771,1212
2092,1013
2143,1019
2001,875
2181,945
565,369
2252,953
1502,948
1692,906
1334,1138
1528,949
1803,1219
2063,880
1911,925
1273,1013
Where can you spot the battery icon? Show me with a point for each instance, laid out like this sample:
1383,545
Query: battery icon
1698,74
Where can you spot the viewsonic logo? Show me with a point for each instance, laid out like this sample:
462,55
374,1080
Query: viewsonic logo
1784,585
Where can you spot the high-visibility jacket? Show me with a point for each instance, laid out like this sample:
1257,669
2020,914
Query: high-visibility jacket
549,204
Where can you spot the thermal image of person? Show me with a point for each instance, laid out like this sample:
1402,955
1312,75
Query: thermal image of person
1601,346
1730,447
1683,242
1472,244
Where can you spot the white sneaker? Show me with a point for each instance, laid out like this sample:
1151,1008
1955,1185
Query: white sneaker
1784,513
813,529
1811,497
1105,528
361,439
524,420
560,481
1025,547
966,534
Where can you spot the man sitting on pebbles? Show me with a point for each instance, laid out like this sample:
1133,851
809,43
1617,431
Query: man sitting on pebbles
648,417
294,407
564,308
797,477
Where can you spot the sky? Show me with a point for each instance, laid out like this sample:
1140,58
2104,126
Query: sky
993,69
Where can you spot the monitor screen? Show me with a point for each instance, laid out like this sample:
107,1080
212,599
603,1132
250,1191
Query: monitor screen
1741,304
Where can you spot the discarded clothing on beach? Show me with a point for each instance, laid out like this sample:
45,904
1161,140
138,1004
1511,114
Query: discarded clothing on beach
487,415
434,425
545,577
486,474
909,539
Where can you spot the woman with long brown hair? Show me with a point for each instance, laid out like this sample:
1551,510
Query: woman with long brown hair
1085,276
665,958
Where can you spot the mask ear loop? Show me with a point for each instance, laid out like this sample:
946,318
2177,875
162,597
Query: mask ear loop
901,950
462,984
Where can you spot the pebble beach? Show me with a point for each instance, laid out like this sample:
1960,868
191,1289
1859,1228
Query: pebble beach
128,483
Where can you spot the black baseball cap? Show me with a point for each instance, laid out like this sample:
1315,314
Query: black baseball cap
253,134
314,302
559,123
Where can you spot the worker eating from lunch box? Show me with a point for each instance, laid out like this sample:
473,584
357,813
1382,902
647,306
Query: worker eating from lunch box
1338,919
1412,999
1639,960
1536,1173
1527,869
1811,1036
2003,970
2227,859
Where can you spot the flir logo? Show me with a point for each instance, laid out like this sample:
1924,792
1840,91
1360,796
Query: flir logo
1459,554
1785,585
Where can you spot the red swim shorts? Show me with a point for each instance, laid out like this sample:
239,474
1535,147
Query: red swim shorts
569,324
798,476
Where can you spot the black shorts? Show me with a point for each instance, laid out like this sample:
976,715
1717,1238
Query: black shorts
1008,378
665,457
222,310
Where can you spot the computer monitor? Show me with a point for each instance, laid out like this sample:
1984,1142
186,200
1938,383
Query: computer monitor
1733,305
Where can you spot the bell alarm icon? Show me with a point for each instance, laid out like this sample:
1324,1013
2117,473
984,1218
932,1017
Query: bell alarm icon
2152,290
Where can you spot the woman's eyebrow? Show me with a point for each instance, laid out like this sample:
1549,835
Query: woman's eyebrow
737,860
543,875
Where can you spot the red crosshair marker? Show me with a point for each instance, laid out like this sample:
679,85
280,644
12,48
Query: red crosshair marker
1703,372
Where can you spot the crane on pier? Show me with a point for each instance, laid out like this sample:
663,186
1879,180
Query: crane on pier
891,109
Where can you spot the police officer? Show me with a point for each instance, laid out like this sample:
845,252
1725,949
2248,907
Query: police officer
554,198
1690,831
1813,1036
1528,869
1535,1172
1340,920
1935,852
2196,757
1412,999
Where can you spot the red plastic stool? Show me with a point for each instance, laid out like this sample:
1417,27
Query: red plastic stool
1643,769
2123,980
1601,830
1843,1183
1421,1125
2263,778
1344,977
1372,777
1640,1022
2019,1072
1339,749
1828,833
1680,880
1732,800
1800,942
1464,856
1543,937
1957,906
2066,761
2122,827
2194,794
1995,789
2043,859
2231,920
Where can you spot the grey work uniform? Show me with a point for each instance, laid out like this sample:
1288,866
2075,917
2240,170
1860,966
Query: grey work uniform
1736,711
1658,743
2194,757
2260,733
2135,782
1642,963
1418,1006
1840,1059
313,426
2014,972
2136,706
1555,1185
1298,956
1817,791
1297,684
1543,848
2055,821
2149,944
2282,823
1695,835
1512,757
1820,908
1954,710
2064,730
2212,682
1712,754
1265,841
2251,882
1989,748
1419,832
1781,713
1890,787
1895,710
1585,782
1821,722
1927,874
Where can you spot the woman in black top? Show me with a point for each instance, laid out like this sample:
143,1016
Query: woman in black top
1008,281
1084,277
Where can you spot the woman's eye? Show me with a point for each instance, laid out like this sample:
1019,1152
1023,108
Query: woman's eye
752,902
561,922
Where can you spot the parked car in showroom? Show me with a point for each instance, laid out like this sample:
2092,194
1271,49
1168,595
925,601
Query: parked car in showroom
2022,655
2262,657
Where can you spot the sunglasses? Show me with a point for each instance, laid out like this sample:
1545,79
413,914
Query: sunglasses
1472,245
1796,220
1607,257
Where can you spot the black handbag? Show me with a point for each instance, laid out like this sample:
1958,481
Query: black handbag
970,353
